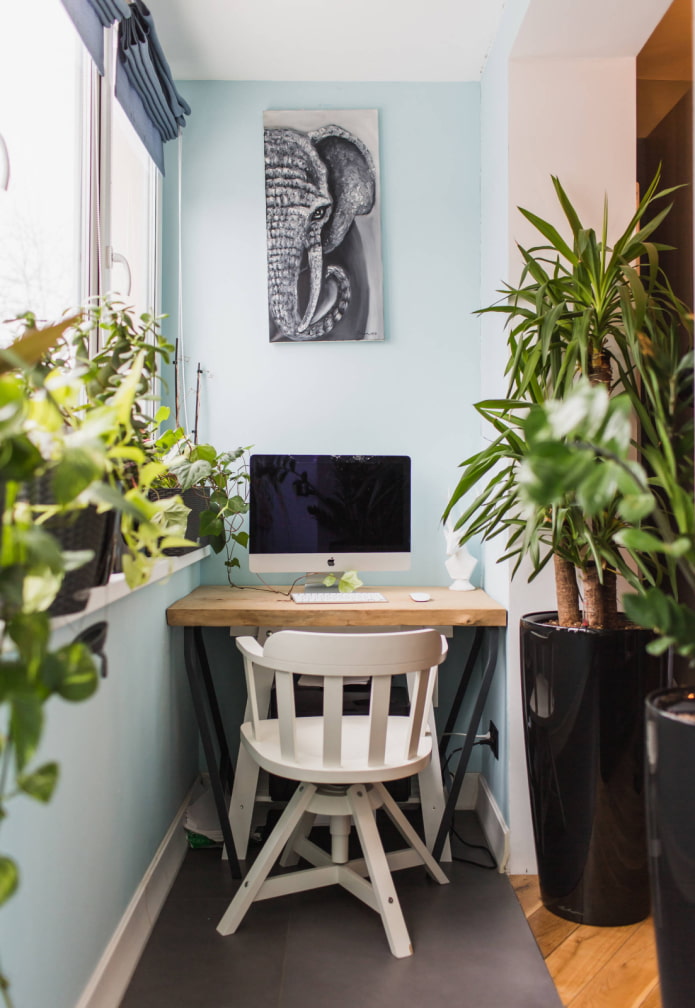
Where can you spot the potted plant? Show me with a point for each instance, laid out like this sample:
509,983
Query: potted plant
104,347
584,308
214,484
568,443
78,448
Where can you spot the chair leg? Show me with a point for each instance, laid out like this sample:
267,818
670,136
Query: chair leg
290,857
379,874
410,835
248,890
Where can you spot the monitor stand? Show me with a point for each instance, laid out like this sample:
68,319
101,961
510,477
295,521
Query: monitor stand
314,582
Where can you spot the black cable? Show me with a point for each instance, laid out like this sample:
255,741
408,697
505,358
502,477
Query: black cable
481,847
453,832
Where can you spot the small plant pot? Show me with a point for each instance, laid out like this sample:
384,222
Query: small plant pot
86,529
670,763
198,500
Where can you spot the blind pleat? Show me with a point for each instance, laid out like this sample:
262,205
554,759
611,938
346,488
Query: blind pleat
143,64
144,85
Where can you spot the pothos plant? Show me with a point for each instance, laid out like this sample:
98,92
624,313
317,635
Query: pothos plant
606,313
222,477
47,430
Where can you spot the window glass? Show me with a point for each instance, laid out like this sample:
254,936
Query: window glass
42,67
130,196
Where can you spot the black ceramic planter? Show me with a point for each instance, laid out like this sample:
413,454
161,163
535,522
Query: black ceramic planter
671,826
583,695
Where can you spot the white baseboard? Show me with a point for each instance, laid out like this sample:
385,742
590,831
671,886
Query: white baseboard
109,982
475,795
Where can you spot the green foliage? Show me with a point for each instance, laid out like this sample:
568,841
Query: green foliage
349,581
583,310
80,424
223,476
581,447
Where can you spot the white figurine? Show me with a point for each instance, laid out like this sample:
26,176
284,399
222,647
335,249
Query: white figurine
459,561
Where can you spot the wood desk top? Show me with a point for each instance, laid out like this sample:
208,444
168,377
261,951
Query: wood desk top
220,605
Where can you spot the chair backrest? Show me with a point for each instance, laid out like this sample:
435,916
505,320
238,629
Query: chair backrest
337,659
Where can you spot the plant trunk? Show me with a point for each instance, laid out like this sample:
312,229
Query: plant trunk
600,599
600,369
567,592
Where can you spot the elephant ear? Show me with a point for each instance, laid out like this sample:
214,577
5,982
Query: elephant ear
351,179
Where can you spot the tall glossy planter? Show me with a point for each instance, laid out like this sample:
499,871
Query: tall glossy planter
583,694
671,823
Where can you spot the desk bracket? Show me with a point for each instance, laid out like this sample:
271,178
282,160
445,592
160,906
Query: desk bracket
210,726
474,721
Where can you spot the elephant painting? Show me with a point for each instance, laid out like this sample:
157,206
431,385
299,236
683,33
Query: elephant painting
321,277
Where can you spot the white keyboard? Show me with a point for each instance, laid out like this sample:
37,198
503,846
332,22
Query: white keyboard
355,596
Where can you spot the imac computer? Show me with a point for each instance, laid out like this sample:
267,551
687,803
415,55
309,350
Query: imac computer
323,514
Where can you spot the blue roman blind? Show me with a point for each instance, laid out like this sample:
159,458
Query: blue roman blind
144,84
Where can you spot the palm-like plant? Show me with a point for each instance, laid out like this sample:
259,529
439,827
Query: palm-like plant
583,309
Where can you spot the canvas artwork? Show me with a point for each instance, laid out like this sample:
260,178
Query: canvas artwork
323,225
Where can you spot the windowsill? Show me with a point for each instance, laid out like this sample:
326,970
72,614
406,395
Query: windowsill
117,588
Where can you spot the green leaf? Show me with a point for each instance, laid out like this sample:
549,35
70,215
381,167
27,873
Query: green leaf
350,581
9,878
196,473
210,524
41,783
26,726
73,474
78,677
31,633
635,507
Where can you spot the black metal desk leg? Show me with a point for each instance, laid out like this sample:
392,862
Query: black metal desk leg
206,711
476,714
460,693
226,765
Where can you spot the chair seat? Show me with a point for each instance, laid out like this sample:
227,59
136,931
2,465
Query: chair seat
309,764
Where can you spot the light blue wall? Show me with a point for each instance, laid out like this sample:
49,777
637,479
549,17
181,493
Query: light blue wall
410,394
128,757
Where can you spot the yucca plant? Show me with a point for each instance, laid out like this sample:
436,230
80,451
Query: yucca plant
569,441
607,314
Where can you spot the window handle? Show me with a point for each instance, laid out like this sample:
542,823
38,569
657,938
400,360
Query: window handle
4,164
117,257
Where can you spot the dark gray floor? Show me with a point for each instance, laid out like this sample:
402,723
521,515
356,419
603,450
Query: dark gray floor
473,947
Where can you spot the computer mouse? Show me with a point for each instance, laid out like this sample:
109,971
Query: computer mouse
420,597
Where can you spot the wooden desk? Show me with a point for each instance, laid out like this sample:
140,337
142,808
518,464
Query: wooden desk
223,606
212,605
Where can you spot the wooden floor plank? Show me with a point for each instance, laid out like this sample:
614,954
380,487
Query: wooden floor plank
550,930
581,956
653,998
527,891
593,967
627,978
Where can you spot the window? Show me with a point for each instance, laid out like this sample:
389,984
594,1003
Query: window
80,212
130,186
43,122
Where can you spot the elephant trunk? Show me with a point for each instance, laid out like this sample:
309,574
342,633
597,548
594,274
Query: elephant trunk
283,276
327,322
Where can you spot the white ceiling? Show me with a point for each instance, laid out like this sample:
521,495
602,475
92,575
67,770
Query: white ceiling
323,40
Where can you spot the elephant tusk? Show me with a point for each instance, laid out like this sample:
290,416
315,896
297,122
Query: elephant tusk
315,259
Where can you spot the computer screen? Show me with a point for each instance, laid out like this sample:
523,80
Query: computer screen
329,513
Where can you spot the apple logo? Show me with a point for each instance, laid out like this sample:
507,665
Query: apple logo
331,561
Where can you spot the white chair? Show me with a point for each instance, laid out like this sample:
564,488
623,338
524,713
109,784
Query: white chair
341,762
